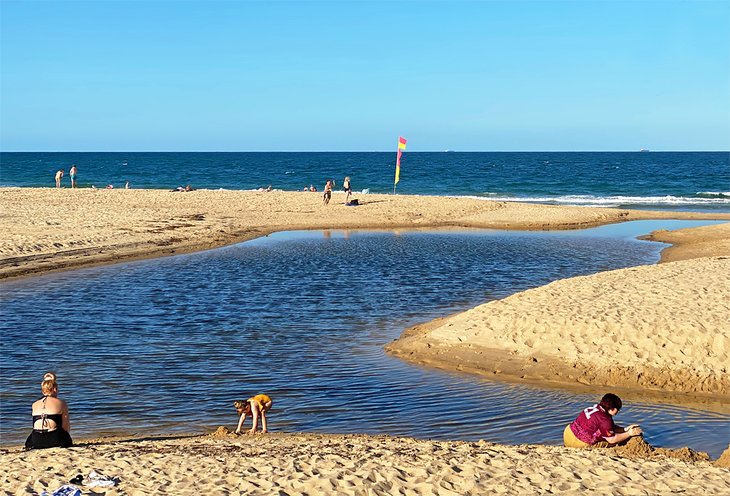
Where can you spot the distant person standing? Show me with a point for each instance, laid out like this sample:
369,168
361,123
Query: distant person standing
72,173
347,187
327,192
59,176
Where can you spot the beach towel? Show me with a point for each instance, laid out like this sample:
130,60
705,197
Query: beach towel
65,490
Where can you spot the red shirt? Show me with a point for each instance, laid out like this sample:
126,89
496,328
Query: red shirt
592,425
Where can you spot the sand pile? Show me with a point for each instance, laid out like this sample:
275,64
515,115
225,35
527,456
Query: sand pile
724,460
637,447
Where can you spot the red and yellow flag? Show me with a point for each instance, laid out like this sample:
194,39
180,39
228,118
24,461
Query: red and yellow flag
401,147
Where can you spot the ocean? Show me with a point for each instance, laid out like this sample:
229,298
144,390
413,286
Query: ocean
696,181
164,346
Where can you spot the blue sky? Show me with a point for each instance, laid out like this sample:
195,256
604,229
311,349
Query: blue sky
353,75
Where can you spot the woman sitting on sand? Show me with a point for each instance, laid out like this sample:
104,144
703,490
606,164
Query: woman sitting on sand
51,425
594,426
255,406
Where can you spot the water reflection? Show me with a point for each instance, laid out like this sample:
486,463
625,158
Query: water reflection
165,346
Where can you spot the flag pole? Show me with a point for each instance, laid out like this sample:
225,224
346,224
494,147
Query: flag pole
401,147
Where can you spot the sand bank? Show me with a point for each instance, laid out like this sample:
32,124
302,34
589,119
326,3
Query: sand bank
356,465
662,328
52,229
696,242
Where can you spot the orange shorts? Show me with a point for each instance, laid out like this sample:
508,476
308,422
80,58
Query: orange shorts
571,441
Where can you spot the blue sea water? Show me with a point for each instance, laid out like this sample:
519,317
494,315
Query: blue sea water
698,181
164,346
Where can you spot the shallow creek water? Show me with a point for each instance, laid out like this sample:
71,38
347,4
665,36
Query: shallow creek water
164,346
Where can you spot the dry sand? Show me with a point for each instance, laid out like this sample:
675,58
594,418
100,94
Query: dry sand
357,465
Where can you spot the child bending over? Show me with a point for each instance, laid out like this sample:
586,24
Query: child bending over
255,406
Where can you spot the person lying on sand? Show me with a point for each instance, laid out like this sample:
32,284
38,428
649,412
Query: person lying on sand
594,426
255,406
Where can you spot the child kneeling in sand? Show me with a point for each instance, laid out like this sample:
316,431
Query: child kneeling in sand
594,426
255,406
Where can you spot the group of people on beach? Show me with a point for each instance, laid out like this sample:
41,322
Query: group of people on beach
71,173
346,188
52,425
593,427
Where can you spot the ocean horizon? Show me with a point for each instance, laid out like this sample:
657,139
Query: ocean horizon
686,181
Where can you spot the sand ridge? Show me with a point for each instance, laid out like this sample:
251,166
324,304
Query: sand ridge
353,465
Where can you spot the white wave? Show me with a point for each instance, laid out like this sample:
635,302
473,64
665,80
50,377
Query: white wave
612,201
718,194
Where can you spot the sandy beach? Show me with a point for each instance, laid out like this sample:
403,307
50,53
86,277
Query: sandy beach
358,465
666,323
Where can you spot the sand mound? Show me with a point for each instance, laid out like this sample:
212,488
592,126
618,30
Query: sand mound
637,447
724,460
223,432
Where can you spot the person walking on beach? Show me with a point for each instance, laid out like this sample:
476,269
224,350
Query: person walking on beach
72,173
51,424
59,176
347,187
327,192
255,406
594,426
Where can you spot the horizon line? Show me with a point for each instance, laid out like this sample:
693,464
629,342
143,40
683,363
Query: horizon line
366,151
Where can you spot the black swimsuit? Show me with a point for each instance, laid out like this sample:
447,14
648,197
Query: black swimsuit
56,417
44,438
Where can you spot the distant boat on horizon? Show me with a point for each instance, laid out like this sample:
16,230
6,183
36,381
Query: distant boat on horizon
644,150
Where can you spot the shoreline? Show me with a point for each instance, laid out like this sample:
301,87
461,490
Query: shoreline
55,230
357,464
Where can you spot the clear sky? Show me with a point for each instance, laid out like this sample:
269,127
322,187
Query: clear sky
353,75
